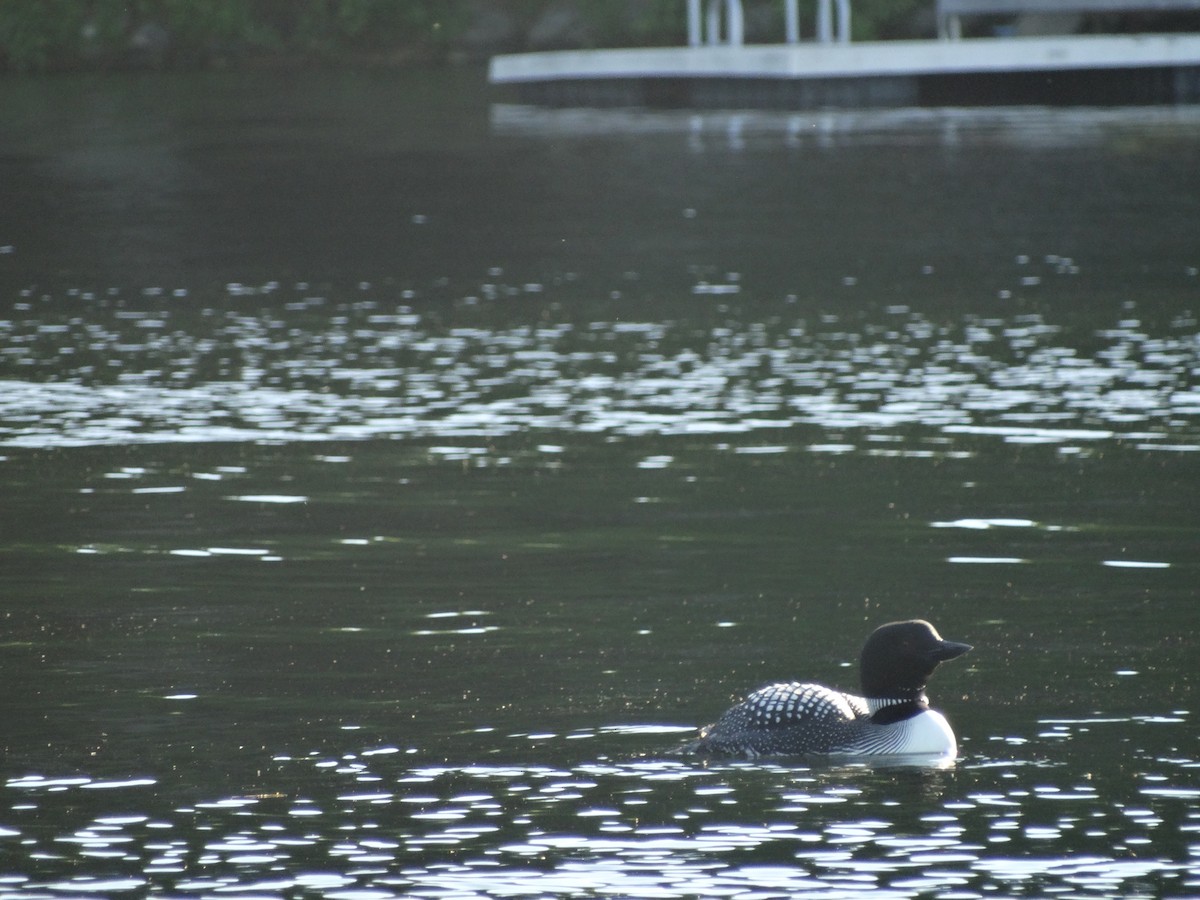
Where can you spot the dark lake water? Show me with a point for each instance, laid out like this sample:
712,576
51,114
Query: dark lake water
390,481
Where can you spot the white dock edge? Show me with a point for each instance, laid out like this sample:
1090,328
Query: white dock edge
866,59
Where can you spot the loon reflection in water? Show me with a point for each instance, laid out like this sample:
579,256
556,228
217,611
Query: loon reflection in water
892,717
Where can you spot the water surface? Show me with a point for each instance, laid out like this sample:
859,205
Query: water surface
390,483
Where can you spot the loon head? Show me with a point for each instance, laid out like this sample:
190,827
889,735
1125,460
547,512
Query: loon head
899,657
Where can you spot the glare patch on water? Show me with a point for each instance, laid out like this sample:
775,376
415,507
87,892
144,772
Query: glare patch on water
985,524
986,560
384,826
372,368
269,498
457,623
261,554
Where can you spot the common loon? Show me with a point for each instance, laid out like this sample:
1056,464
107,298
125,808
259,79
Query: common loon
892,716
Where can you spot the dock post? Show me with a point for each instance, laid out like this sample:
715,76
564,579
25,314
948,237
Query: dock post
735,22
843,21
736,19
713,22
825,21
693,23
949,25
791,17
704,26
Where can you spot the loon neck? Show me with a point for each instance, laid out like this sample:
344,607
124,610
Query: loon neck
885,710
875,704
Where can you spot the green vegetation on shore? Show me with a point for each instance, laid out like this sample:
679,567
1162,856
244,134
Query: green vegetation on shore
56,35
40,35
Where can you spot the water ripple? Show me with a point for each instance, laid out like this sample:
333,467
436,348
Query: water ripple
377,369
369,824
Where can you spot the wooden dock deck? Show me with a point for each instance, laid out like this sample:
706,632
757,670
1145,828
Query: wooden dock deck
1078,69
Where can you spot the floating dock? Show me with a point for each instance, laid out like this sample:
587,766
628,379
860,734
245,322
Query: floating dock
1108,70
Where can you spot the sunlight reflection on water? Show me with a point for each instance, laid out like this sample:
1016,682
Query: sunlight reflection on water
641,827
374,368
1040,127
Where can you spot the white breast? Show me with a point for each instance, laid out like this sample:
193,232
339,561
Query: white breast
928,732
